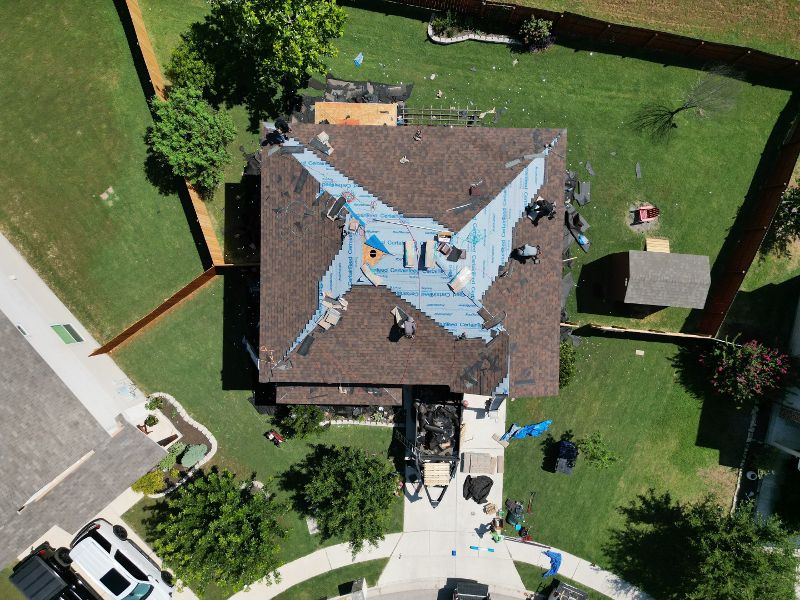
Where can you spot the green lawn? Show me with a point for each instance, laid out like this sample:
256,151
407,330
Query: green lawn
705,170
532,578
663,436
74,118
183,355
7,589
165,21
335,583
769,25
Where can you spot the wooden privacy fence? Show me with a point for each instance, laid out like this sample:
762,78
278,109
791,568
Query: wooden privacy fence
785,71
729,275
197,283
157,81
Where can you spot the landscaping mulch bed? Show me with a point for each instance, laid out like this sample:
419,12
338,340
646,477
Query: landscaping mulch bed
189,434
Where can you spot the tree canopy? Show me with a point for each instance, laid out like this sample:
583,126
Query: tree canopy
219,529
699,551
785,228
190,138
261,52
300,420
349,493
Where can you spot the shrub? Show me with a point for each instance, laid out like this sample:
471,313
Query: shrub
150,421
745,372
154,403
595,451
188,69
193,455
445,24
172,455
174,473
168,461
566,363
189,138
149,484
536,33
301,420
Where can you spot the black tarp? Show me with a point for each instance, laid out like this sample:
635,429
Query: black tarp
477,488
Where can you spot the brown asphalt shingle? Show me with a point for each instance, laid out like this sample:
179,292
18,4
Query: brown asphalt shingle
358,350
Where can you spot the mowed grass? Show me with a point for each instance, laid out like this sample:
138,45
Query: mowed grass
166,20
7,589
335,583
183,355
664,438
769,25
74,118
532,578
706,169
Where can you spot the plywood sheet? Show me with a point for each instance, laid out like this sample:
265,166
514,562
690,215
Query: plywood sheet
356,113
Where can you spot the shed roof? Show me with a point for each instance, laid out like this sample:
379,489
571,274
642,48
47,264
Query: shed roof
662,279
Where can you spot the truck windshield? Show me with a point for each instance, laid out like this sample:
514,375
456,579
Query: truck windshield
140,592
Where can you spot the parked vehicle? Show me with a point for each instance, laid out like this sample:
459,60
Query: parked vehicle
115,565
46,574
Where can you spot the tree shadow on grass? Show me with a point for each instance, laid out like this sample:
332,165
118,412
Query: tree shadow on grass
653,549
160,175
295,479
722,426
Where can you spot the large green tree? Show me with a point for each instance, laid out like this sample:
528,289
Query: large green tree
349,493
190,138
217,529
261,51
699,551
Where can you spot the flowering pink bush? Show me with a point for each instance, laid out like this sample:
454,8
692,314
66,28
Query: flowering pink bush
745,372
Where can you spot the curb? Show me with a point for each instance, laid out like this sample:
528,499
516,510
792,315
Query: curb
202,429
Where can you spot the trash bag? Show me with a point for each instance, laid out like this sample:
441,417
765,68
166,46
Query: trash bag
477,488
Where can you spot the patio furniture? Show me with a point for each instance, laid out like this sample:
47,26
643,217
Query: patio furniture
645,214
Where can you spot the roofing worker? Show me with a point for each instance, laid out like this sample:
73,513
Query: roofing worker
523,253
410,328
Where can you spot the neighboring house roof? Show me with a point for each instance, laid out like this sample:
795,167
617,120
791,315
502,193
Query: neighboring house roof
304,254
662,279
45,430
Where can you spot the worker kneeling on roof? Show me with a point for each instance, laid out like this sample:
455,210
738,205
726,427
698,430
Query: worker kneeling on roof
410,327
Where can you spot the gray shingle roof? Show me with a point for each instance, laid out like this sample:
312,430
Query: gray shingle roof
44,429
664,279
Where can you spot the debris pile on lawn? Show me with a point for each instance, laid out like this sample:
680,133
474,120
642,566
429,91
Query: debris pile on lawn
338,90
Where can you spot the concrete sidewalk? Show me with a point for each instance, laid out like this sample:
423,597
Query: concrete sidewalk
29,304
317,563
577,569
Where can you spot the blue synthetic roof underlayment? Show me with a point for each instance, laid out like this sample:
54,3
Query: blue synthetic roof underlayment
487,238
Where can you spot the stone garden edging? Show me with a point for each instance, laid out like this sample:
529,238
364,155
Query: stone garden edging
354,422
491,38
209,436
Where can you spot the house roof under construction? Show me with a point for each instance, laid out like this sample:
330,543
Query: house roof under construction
470,185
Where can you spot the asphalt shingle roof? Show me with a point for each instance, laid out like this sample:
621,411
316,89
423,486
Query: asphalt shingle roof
665,279
44,430
297,250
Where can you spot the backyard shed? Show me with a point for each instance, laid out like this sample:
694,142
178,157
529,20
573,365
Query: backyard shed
662,279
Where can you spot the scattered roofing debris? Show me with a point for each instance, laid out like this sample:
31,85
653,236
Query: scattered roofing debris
638,170
352,222
436,435
337,90
589,168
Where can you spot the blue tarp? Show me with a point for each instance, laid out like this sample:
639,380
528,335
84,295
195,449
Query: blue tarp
534,430
555,562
